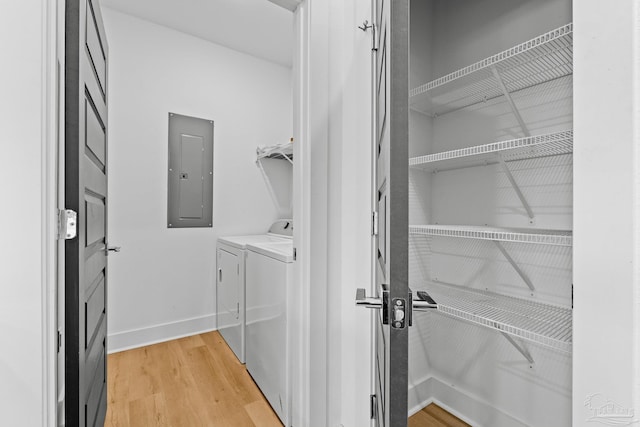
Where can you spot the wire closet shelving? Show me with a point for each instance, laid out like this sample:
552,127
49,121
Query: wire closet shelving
535,322
501,234
530,147
540,60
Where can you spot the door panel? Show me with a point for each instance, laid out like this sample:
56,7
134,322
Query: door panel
86,276
391,195
228,289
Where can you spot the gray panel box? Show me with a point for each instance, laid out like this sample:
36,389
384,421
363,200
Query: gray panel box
190,189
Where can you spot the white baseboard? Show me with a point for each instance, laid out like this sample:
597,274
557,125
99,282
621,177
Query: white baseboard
463,405
141,337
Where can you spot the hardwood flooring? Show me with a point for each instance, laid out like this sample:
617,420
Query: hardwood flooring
190,382
434,416
197,381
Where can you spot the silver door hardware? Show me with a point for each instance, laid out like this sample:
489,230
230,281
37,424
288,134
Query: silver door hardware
378,303
374,223
364,27
424,302
374,406
363,301
219,275
400,315
67,224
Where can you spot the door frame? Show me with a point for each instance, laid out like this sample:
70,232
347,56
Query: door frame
310,253
327,290
53,31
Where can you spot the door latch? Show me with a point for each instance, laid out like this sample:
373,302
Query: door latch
67,224
401,308
399,313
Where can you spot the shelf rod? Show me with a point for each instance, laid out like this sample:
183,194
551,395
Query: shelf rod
515,186
515,266
518,347
512,104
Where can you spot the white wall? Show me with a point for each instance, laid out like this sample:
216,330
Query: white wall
335,173
606,328
23,28
332,188
162,283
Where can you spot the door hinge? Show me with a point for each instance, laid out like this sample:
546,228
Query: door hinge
374,223
238,269
238,308
59,340
295,254
67,224
373,403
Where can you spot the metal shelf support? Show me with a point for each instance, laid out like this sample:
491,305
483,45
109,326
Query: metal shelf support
523,351
526,132
515,266
516,188
512,104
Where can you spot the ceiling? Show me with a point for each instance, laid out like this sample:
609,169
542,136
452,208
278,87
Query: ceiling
256,27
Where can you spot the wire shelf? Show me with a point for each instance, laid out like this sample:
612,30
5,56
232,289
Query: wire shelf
532,321
540,60
278,151
552,144
517,235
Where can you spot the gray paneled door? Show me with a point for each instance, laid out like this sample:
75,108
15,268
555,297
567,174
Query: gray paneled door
86,193
391,194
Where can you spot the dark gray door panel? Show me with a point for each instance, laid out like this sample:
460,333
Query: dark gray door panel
86,160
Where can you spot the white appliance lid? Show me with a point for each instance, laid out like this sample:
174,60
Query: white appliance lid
282,251
241,242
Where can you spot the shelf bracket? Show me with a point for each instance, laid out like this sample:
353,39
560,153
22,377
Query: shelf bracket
512,104
272,192
515,186
523,351
515,265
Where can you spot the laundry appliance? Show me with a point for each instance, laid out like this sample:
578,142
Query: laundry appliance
230,282
269,325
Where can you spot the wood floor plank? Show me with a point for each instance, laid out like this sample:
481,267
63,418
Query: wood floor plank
190,382
445,417
262,415
424,419
434,416
148,411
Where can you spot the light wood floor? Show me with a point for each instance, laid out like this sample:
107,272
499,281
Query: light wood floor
197,381
190,382
435,416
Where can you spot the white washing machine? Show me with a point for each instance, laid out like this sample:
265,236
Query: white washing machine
230,282
269,281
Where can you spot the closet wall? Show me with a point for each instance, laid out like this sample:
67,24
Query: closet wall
469,368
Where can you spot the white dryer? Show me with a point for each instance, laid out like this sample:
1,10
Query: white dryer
269,279
230,282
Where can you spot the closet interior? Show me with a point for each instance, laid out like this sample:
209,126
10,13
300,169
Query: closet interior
490,209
